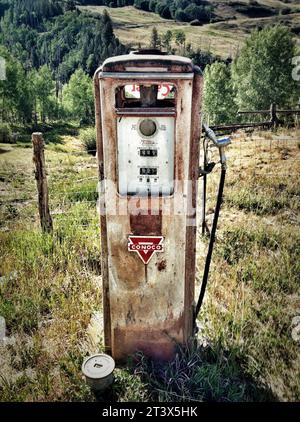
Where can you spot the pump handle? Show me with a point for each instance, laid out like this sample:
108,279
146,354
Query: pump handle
220,143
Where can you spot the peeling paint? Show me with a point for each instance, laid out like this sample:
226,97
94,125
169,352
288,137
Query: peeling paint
148,308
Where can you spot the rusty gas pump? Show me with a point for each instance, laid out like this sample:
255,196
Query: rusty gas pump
148,131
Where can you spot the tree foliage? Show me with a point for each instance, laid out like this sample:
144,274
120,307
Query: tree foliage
155,41
166,40
44,42
15,91
41,33
219,96
43,93
262,74
78,97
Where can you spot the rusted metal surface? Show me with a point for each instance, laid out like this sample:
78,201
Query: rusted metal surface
146,112
190,252
170,64
161,265
148,307
146,224
103,228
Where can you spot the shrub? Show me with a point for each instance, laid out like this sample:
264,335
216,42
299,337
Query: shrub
195,22
256,11
88,139
5,133
142,4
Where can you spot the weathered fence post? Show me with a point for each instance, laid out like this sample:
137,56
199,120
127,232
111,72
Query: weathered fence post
41,181
273,116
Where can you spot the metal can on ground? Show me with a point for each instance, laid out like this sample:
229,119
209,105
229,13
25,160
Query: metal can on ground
98,371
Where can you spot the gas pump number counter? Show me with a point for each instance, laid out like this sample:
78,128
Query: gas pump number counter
146,155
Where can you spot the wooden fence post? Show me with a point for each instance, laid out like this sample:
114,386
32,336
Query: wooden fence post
41,181
273,116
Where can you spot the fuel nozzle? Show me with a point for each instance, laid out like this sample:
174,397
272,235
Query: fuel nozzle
220,143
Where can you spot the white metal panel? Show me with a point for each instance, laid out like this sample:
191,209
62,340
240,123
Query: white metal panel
145,163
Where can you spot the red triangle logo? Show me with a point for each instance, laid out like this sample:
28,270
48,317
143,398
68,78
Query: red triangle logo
145,246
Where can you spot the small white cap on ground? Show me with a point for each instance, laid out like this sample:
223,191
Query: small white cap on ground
98,371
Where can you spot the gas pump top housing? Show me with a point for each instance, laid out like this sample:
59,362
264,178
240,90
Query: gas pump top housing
148,131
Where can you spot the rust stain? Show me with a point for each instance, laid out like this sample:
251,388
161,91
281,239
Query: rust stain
161,265
128,266
148,317
146,224
172,67
158,343
190,256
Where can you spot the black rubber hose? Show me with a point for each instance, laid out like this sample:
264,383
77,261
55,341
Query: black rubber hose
211,242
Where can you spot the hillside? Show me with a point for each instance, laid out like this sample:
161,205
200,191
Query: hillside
223,38
45,33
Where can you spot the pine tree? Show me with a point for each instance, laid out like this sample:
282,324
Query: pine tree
107,31
166,40
155,39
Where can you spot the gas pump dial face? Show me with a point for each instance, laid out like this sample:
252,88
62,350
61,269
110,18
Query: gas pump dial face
146,155
147,127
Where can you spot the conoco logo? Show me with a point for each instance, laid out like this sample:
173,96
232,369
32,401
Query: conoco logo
145,246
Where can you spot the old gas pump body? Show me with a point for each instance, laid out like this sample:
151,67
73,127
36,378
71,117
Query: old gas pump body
148,131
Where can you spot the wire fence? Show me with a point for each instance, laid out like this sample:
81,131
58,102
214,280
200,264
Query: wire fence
73,190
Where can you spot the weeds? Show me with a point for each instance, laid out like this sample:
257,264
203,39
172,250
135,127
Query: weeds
88,139
47,292
199,374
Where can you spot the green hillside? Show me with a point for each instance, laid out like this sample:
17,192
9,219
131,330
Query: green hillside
223,38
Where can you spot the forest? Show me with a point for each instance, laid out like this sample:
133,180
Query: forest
45,33
52,49
199,11
44,42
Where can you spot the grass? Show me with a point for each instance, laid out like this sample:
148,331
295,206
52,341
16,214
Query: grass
88,139
49,285
201,374
225,39
254,290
